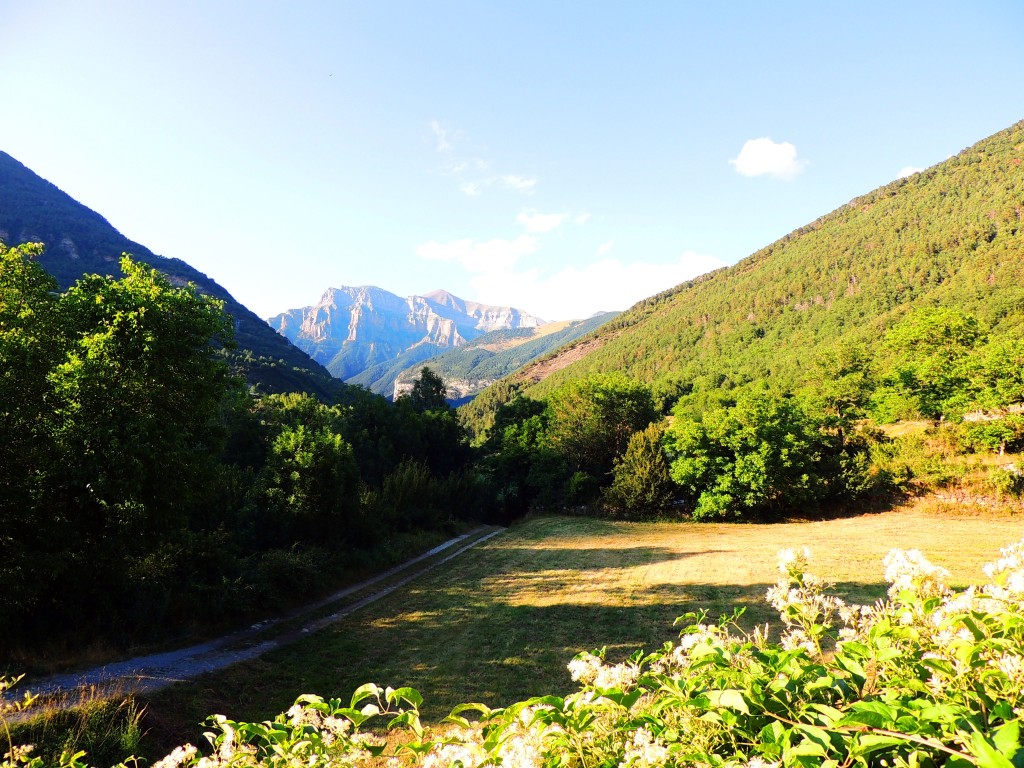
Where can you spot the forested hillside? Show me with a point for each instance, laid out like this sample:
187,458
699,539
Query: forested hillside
951,236
471,367
78,241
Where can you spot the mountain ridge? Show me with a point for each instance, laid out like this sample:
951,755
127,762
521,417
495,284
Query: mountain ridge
79,241
352,329
949,235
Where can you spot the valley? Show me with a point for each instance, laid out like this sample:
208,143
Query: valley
647,464
502,621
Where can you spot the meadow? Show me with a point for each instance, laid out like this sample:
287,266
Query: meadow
500,623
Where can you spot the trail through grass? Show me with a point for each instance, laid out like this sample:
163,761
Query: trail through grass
499,623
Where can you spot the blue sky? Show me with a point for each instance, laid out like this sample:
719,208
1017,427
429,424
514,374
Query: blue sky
560,157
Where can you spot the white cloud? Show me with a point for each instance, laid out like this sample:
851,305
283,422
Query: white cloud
473,174
488,257
441,141
575,293
908,170
519,183
583,218
540,222
760,157
605,248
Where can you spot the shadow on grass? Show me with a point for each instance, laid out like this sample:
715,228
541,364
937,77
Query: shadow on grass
454,644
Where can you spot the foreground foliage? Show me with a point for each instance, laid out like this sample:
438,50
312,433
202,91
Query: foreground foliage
928,677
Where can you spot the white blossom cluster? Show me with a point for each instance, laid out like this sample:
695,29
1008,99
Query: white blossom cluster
644,750
589,669
910,571
462,747
1008,571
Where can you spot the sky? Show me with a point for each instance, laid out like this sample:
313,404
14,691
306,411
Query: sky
560,157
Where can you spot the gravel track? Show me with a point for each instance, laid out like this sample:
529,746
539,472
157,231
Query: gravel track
145,674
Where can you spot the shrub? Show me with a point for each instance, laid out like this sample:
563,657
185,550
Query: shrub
641,486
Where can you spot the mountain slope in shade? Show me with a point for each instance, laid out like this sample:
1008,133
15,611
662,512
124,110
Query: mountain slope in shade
353,329
951,236
80,241
470,368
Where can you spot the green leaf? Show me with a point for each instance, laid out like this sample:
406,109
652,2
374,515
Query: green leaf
872,742
1006,738
813,735
730,699
939,665
870,713
409,695
988,756
973,627
830,714
483,709
362,693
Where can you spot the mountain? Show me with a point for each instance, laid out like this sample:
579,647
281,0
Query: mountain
952,236
352,330
475,365
80,241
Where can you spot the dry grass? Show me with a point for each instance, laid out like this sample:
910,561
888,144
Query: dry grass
499,623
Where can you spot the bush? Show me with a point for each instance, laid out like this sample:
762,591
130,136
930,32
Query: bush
765,455
1007,481
641,486
992,436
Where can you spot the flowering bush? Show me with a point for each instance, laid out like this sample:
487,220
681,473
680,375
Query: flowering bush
929,677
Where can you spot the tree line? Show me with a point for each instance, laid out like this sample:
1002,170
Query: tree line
607,443
147,490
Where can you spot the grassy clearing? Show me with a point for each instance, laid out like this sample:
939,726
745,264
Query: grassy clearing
500,622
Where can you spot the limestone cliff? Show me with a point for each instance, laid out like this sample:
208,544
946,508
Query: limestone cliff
352,329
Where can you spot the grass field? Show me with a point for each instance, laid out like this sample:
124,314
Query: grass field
499,623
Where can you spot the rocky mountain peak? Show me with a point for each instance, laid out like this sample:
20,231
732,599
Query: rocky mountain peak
352,328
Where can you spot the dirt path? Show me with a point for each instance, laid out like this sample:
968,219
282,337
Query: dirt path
155,671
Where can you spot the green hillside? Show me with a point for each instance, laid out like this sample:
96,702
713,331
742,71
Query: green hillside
951,236
469,368
80,241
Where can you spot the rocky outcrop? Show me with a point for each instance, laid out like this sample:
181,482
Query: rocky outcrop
352,329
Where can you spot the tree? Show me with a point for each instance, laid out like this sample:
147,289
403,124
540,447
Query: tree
840,385
29,347
428,392
310,487
138,396
995,375
115,395
763,455
923,363
641,486
592,419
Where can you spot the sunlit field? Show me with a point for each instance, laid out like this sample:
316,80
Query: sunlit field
499,623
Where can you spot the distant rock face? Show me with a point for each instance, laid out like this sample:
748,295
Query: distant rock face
352,329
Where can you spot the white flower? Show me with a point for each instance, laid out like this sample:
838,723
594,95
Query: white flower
1011,665
584,668
178,757
643,750
619,676
909,570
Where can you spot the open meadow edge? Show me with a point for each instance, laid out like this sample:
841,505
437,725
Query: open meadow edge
500,623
